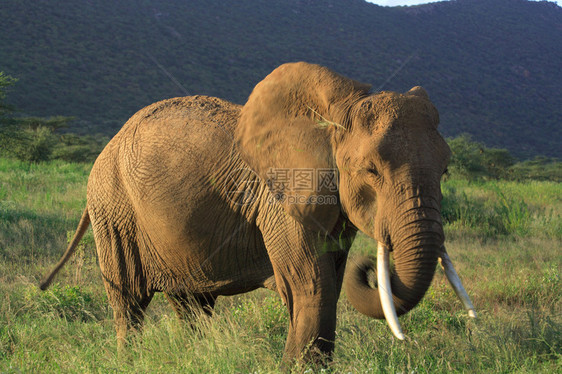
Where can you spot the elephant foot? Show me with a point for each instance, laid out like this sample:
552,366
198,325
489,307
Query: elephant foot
310,341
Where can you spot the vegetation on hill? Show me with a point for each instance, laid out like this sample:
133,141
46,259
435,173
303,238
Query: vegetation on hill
34,139
491,66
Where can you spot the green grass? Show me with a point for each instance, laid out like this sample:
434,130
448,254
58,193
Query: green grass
502,209
503,237
38,202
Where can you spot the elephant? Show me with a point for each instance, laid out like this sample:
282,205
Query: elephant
197,197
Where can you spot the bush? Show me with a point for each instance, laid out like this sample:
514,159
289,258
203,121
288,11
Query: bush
34,139
75,148
35,145
496,162
42,143
466,158
539,168
473,160
69,302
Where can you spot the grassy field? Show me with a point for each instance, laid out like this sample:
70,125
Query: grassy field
505,239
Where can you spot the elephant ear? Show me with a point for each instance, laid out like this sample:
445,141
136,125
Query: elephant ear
418,91
424,105
284,134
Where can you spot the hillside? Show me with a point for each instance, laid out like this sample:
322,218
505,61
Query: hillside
492,67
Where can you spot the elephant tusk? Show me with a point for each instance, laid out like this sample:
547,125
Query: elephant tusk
455,281
385,292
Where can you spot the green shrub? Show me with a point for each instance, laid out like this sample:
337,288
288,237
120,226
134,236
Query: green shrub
496,162
466,157
76,148
35,139
36,145
41,143
68,302
473,160
539,168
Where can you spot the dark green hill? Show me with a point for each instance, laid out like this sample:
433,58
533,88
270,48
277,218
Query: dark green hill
491,66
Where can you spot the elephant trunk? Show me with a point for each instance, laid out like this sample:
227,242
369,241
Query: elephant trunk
416,247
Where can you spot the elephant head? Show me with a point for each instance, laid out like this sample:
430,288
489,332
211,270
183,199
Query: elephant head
386,153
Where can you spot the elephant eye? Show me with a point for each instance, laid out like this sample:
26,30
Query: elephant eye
373,171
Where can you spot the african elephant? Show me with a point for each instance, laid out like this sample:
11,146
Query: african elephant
197,197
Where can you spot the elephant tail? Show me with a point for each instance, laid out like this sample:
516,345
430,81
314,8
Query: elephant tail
82,227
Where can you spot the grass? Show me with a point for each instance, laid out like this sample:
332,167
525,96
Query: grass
503,237
503,209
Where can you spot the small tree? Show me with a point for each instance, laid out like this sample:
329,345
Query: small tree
473,160
467,157
26,138
8,126
5,82
497,162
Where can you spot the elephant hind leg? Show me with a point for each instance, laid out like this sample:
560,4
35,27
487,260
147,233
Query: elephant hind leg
125,282
128,314
189,306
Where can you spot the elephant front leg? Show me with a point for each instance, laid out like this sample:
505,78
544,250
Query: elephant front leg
307,280
312,327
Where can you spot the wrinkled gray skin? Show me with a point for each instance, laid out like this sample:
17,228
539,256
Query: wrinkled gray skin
187,199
